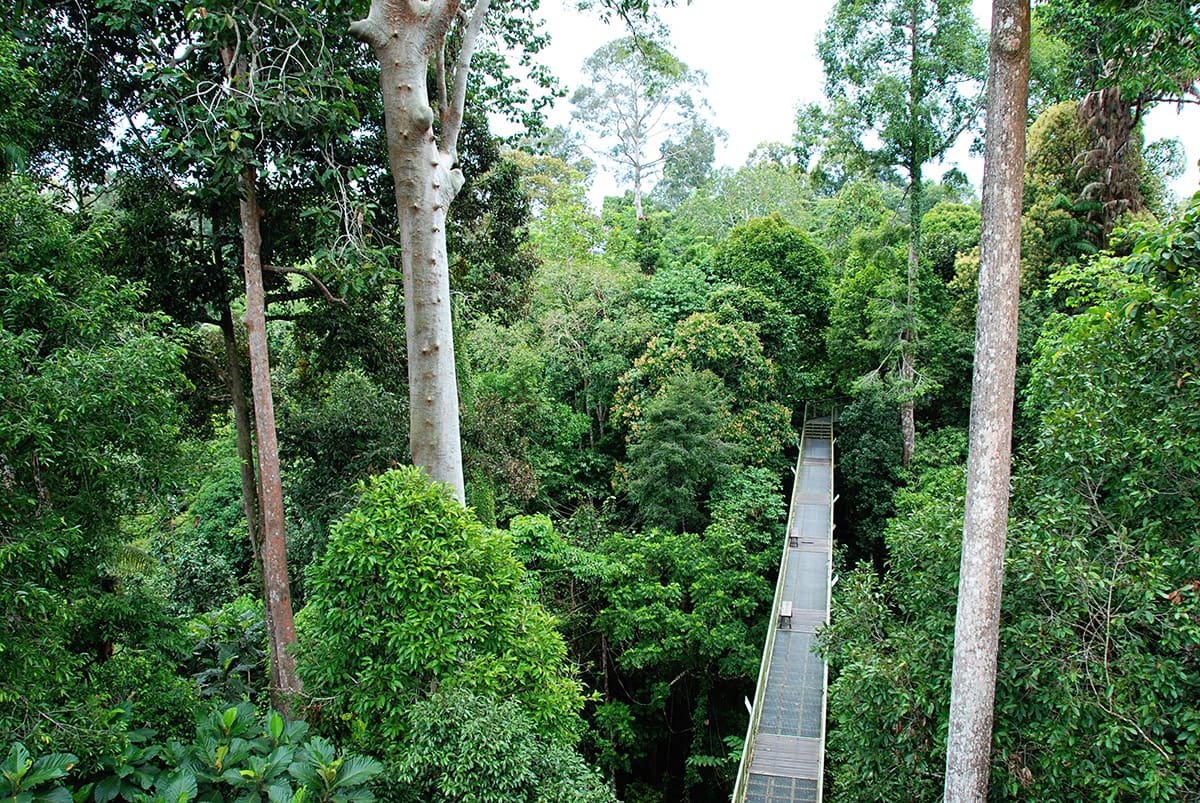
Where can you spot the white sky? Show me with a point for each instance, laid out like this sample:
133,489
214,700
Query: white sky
761,60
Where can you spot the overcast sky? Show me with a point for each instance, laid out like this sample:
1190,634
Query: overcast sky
761,60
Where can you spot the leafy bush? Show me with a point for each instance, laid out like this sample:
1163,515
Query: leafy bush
469,747
234,756
229,653
413,594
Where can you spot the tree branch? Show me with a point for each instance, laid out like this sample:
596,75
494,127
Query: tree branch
311,277
370,29
452,114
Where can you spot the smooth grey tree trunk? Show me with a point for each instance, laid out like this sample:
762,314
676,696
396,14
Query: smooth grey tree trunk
281,628
981,576
408,36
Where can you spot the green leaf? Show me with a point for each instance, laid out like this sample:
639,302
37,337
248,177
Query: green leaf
180,788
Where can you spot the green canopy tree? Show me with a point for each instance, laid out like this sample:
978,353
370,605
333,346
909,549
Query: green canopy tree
413,594
638,92
909,73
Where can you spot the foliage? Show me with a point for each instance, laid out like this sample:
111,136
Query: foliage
889,649
21,775
471,747
492,261
735,197
228,661
233,756
868,468
88,431
780,261
731,352
679,451
206,553
413,594
948,230
1056,225
336,428
1149,51
1101,617
16,124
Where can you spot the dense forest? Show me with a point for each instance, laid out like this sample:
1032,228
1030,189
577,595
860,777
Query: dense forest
287,517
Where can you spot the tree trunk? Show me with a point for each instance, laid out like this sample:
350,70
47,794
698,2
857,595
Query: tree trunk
405,36
242,425
281,629
981,575
908,340
638,211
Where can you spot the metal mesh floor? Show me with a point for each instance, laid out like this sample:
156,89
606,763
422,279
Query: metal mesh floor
773,789
785,754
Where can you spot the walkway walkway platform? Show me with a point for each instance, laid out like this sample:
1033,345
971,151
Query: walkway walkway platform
783,760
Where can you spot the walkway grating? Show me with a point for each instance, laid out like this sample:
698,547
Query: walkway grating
783,759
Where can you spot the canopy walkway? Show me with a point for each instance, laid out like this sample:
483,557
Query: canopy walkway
784,756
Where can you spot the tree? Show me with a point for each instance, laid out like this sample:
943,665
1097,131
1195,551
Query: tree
1127,57
779,260
410,38
985,523
731,352
413,594
905,71
680,451
637,93
252,83
467,746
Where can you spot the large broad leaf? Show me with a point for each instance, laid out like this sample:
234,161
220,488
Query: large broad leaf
108,789
180,788
357,771
282,793
49,767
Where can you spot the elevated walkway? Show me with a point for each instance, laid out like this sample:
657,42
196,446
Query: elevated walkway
783,760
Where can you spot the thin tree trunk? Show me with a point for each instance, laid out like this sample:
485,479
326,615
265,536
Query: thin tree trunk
908,340
242,425
981,575
281,628
637,193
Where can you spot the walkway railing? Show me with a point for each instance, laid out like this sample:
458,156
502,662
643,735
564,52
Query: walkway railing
784,756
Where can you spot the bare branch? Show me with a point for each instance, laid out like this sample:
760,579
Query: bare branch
330,297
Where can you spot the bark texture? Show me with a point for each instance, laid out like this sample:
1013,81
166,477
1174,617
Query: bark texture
981,576
408,36
281,628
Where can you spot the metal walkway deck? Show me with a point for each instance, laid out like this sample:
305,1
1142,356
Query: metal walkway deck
783,759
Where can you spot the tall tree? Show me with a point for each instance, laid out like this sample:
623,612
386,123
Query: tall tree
638,93
246,88
985,523
904,72
409,37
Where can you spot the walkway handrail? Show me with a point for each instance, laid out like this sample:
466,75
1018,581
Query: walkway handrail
764,666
